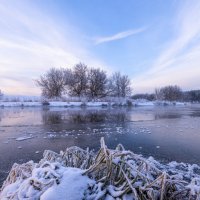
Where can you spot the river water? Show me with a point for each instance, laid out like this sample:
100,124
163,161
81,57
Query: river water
166,133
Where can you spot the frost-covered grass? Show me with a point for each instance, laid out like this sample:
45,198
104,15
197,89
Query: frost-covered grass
60,104
20,98
88,104
109,174
35,101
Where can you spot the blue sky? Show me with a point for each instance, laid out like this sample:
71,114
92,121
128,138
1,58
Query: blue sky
155,42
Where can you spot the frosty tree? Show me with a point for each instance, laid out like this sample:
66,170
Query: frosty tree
97,81
52,83
81,81
1,95
119,85
169,93
78,83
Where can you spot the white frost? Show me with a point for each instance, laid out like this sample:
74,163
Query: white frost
72,186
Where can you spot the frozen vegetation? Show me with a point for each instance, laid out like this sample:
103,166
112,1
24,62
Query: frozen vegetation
109,174
33,101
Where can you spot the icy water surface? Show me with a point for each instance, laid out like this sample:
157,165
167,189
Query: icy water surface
166,133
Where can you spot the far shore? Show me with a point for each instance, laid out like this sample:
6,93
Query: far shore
125,103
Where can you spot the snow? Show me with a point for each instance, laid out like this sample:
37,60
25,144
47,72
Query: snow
54,177
53,104
65,183
64,104
24,138
194,186
79,104
148,103
50,181
144,102
9,190
20,104
95,104
72,186
168,103
28,101
20,98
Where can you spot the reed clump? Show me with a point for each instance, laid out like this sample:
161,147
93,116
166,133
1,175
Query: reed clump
117,174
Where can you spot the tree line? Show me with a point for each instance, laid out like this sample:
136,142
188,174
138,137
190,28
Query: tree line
171,93
94,83
1,94
82,81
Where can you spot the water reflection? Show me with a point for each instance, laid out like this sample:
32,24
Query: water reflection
195,114
118,115
51,117
167,115
85,116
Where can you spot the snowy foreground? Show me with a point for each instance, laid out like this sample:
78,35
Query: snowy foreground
110,174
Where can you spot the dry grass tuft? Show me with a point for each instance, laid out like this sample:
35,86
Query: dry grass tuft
119,174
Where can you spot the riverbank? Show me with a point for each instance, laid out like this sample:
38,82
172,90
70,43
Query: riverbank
89,104
109,174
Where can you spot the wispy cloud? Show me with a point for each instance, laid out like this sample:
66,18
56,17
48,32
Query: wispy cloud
179,62
118,36
188,29
31,42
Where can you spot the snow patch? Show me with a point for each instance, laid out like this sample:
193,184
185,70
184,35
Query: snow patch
72,186
24,138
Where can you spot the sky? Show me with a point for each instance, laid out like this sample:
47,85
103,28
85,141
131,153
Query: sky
156,43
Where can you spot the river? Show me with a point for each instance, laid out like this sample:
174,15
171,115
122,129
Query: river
167,133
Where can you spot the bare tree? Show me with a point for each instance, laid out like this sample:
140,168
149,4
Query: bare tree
194,95
114,84
159,94
191,96
125,86
119,85
68,76
81,81
97,80
78,83
1,95
169,93
149,97
52,83
172,93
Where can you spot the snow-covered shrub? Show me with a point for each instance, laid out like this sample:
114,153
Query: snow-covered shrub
45,103
129,103
109,174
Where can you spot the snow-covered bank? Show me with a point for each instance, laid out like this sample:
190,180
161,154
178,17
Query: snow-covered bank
144,102
20,104
78,104
37,101
20,98
59,104
110,174
90,104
